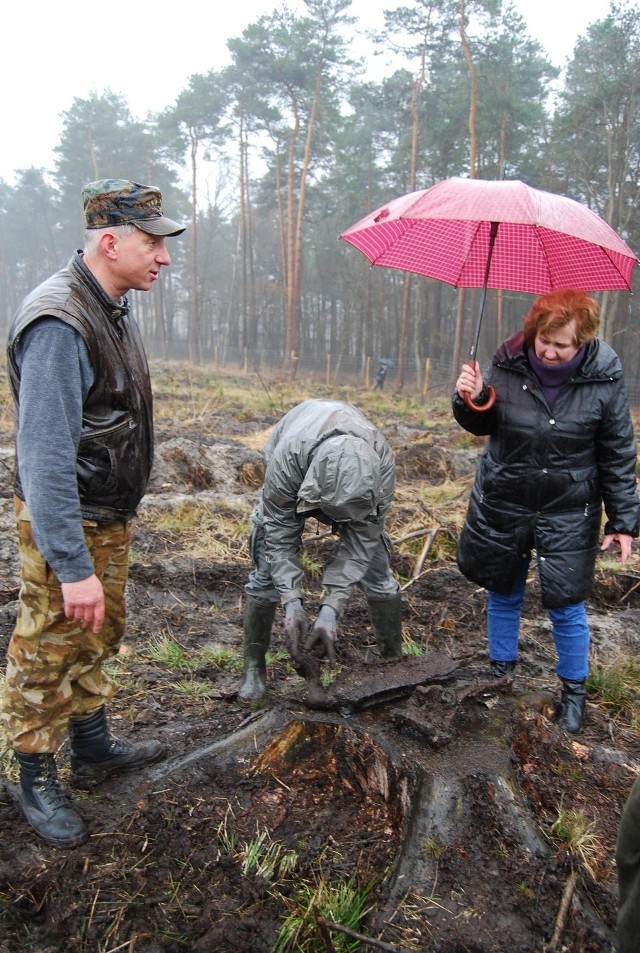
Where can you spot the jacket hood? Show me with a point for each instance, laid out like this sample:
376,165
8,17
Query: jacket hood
343,480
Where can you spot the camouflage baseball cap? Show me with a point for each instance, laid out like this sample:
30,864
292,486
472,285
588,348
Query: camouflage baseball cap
110,202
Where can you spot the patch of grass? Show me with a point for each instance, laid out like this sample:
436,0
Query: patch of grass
168,652
571,772
282,657
431,848
525,890
329,675
227,660
199,530
262,855
188,395
342,901
226,832
578,837
185,516
410,646
268,858
192,688
616,686
311,565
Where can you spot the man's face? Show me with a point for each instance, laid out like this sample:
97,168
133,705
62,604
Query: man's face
138,260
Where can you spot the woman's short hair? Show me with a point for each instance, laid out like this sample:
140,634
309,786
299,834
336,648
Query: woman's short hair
555,309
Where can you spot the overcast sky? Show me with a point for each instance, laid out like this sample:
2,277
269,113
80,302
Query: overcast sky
56,50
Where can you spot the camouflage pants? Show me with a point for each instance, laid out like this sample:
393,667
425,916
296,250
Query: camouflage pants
54,666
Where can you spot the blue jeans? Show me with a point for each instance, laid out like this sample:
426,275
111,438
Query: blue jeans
570,630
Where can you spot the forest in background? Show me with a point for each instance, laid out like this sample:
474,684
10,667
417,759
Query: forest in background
302,147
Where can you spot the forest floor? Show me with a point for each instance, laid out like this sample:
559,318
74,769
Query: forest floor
418,806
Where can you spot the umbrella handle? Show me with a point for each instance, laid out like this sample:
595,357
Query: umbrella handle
481,408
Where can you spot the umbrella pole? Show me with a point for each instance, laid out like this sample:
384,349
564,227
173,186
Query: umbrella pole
474,347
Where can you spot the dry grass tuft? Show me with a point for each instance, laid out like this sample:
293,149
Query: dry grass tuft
198,530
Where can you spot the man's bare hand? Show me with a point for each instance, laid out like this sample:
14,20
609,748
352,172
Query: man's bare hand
84,602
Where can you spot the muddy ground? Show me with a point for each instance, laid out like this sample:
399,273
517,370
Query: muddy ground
417,784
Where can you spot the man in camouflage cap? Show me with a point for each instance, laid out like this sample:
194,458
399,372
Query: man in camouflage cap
84,450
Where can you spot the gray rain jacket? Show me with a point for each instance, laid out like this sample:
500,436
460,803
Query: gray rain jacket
545,474
325,459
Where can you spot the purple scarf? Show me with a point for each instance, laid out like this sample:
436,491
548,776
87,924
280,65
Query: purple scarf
554,376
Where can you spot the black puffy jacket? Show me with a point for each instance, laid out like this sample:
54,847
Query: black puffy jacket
545,474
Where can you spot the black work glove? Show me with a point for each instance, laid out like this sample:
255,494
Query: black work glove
322,638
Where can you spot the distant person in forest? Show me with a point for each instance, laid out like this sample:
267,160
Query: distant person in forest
381,374
325,461
84,449
561,443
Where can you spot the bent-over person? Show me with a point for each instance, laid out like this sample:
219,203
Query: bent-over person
324,460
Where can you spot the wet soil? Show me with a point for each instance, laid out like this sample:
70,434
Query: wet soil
421,783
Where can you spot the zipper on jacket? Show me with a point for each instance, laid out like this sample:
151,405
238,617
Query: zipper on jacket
129,424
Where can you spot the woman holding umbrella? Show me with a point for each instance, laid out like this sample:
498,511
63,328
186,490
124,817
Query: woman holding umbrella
561,445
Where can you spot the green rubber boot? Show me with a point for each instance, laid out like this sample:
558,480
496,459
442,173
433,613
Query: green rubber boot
386,619
258,622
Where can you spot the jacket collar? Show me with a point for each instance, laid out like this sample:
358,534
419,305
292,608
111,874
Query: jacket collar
600,362
113,309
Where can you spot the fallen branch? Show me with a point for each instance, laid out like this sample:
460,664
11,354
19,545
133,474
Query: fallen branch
421,558
567,894
326,936
413,535
378,944
630,592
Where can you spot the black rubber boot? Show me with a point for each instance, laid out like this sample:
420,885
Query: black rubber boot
570,711
258,622
386,619
96,754
502,669
44,802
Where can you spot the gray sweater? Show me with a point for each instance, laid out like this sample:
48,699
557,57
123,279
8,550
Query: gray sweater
55,377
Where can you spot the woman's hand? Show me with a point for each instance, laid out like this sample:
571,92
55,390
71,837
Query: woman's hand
621,541
470,380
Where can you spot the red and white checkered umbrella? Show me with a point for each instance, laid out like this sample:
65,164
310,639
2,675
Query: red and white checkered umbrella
542,241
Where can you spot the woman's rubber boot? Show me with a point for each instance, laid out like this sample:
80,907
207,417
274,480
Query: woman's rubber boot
44,802
570,711
386,619
96,754
502,669
258,622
